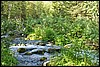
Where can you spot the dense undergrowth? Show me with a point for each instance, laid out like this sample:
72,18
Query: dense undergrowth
7,56
60,28
80,32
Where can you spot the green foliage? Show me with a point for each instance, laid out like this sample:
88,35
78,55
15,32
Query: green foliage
49,34
28,26
60,40
7,58
43,58
63,22
71,57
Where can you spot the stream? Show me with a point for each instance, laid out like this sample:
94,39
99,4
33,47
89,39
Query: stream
36,52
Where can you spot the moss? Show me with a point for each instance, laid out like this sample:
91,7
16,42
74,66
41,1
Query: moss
48,64
43,58
28,53
50,50
41,43
21,50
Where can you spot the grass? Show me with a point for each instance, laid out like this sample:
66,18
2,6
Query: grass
70,57
77,33
7,56
56,23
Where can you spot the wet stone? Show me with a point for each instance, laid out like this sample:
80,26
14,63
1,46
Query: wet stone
43,58
39,52
28,53
34,52
53,49
47,63
21,50
41,43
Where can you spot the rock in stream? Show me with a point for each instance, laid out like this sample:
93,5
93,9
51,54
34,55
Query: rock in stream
34,53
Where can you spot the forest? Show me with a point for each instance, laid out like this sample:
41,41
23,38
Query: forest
73,25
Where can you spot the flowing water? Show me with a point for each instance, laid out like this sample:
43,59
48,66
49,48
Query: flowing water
33,59
46,51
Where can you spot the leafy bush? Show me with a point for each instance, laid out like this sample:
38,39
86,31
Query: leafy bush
72,57
63,22
49,34
7,57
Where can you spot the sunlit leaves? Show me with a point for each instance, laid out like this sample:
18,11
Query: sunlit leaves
63,22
